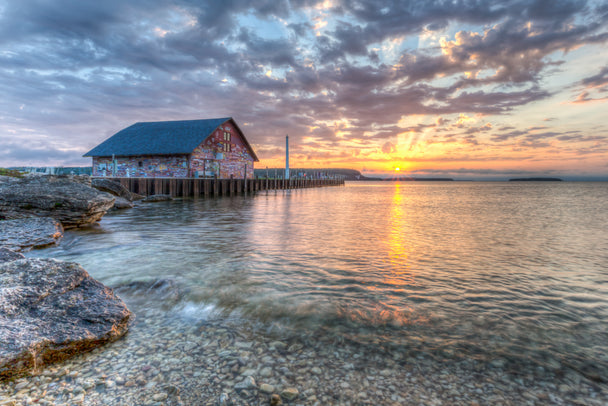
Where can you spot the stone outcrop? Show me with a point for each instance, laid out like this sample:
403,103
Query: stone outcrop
124,198
51,310
115,188
122,203
67,199
7,255
27,233
7,179
157,198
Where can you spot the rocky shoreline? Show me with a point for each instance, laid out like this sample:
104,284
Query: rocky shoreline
50,310
29,233
68,199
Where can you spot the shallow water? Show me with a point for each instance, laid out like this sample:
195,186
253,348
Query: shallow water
513,274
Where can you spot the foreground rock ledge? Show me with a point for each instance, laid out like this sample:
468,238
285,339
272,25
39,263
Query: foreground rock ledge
27,233
51,310
71,200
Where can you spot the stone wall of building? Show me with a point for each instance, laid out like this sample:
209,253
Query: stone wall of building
223,154
218,155
144,166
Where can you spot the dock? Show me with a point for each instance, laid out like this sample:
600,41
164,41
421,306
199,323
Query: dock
196,187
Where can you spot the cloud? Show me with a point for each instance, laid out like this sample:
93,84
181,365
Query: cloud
598,80
594,85
75,73
15,154
388,147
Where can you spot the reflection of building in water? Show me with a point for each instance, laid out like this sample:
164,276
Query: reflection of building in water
179,149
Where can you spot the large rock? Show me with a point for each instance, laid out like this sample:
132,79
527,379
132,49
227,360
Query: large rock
115,188
51,310
67,199
122,203
7,255
27,233
157,198
7,179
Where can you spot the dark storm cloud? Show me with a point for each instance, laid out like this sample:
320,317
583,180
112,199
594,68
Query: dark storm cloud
78,71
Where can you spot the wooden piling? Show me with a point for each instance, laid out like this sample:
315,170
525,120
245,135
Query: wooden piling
192,187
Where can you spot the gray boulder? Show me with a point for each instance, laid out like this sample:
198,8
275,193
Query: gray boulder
115,188
7,255
157,198
27,233
64,198
7,179
51,310
122,203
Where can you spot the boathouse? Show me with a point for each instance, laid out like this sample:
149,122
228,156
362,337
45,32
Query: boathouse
211,148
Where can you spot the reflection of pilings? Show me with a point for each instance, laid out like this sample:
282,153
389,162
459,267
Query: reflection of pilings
196,187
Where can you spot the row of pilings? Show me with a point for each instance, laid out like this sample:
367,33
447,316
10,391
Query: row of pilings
195,187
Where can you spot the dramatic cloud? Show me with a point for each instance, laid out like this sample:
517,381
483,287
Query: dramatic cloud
355,83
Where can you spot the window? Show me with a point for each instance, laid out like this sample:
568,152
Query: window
227,147
226,136
140,164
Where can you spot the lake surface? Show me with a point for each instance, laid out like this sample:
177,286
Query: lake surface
510,274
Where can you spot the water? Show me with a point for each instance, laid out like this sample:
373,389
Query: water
510,273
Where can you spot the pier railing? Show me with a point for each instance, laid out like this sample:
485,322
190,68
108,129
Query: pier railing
195,187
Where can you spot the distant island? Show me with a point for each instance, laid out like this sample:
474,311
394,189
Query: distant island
536,180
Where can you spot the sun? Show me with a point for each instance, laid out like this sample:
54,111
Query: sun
397,169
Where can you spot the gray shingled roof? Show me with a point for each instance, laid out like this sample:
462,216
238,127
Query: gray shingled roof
160,138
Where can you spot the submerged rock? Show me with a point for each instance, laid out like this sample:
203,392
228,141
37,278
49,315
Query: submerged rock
51,310
275,400
290,393
64,198
163,290
27,233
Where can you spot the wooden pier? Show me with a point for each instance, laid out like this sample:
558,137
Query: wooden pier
193,187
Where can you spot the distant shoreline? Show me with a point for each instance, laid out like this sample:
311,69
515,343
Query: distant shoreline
419,179
536,180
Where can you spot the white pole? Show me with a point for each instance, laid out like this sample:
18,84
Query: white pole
287,157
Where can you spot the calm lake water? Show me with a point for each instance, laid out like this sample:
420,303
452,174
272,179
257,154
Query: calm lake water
510,273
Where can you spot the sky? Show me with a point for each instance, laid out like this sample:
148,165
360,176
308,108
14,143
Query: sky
462,88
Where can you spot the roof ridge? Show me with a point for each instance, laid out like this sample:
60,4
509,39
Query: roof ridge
182,121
